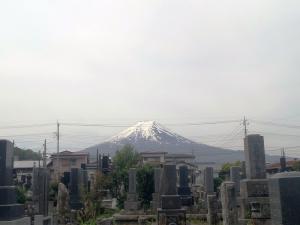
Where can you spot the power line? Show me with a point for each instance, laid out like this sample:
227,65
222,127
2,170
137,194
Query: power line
27,126
276,124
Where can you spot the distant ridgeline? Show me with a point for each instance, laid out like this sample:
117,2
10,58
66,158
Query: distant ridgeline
25,154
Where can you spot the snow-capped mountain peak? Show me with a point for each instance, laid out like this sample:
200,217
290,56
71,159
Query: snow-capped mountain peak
149,131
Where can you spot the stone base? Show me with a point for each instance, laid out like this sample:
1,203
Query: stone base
184,191
76,205
132,197
42,220
171,216
255,199
7,195
22,221
132,205
11,212
155,203
126,219
170,202
187,200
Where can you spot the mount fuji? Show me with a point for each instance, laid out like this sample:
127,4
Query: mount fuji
152,136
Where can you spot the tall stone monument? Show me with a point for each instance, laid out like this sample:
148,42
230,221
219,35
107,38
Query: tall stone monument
10,211
105,164
132,203
235,177
254,191
285,198
209,180
255,157
212,210
184,190
40,190
229,204
74,189
156,195
171,212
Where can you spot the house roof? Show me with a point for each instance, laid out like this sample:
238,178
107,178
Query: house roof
28,164
69,153
180,156
277,165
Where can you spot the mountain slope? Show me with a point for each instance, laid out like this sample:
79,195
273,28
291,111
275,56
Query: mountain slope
151,136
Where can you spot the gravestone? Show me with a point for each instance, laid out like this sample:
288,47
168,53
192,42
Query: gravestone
66,179
40,190
63,207
170,211
184,190
212,210
156,194
209,180
105,164
243,170
285,198
235,177
229,205
254,191
99,162
74,189
84,179
9,209
255,157
132,203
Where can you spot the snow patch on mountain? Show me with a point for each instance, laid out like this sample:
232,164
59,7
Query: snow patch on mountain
149,131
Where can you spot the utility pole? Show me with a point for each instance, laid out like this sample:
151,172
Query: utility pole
57,138
245,123
45,154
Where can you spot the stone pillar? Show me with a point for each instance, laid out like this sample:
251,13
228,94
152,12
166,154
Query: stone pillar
235,177
40,190
209,180
254,191
229,206
132,181
212,209
156,194
9,209
243,170
184,190
255,157
168,180
105,164
170,211
63,207
74,189
132,203
284,198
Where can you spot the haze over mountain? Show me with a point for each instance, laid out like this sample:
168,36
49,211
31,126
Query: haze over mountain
152,136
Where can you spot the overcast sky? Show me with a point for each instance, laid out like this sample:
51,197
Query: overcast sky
121,61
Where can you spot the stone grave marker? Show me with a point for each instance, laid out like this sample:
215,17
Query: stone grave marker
132,203
184,190
285,198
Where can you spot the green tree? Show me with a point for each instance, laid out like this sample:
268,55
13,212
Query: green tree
123,160
21,195
296,166
26,154
225,170
145,184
